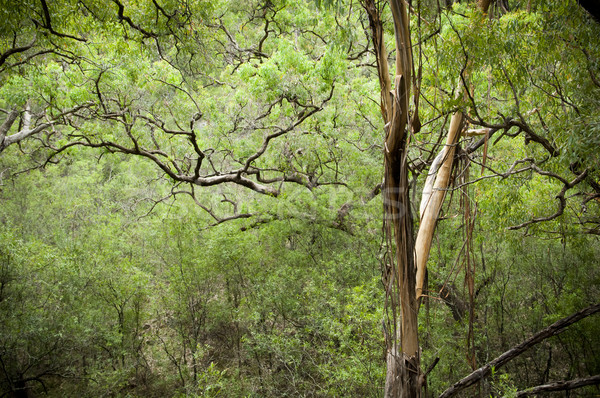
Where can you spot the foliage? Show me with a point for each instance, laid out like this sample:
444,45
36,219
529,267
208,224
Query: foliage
207,220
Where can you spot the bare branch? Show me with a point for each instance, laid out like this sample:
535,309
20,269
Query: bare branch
560,386
552,330
15,50
561,196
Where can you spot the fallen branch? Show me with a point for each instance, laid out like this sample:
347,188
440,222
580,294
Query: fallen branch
552,330
560,386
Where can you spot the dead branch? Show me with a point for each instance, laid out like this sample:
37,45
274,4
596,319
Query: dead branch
552,330
560,386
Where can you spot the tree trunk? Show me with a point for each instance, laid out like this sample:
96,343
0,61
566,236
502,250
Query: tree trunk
484,5
403,368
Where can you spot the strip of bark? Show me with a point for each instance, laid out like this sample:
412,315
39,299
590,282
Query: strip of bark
552,330
434,203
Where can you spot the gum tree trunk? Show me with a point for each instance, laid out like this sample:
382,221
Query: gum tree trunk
403,368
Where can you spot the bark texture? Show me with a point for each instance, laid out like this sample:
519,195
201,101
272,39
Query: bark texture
403,369
484,5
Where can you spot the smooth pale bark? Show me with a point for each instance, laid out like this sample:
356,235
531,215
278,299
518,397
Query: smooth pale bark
433,202
26,128
429,181
26,131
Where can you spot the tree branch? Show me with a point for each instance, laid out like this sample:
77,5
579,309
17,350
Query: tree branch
560,386
48,24
15,50
552,330
523,126
122,17
26,131
10,119
561,196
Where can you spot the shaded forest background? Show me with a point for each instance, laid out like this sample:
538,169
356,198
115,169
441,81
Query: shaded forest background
191,196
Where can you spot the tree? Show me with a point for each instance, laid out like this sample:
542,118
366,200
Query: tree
29,37
395,109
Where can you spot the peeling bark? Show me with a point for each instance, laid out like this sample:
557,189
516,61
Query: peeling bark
434,200
403,369
400,378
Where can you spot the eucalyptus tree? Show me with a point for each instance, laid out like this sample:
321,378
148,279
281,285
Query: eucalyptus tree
471,32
